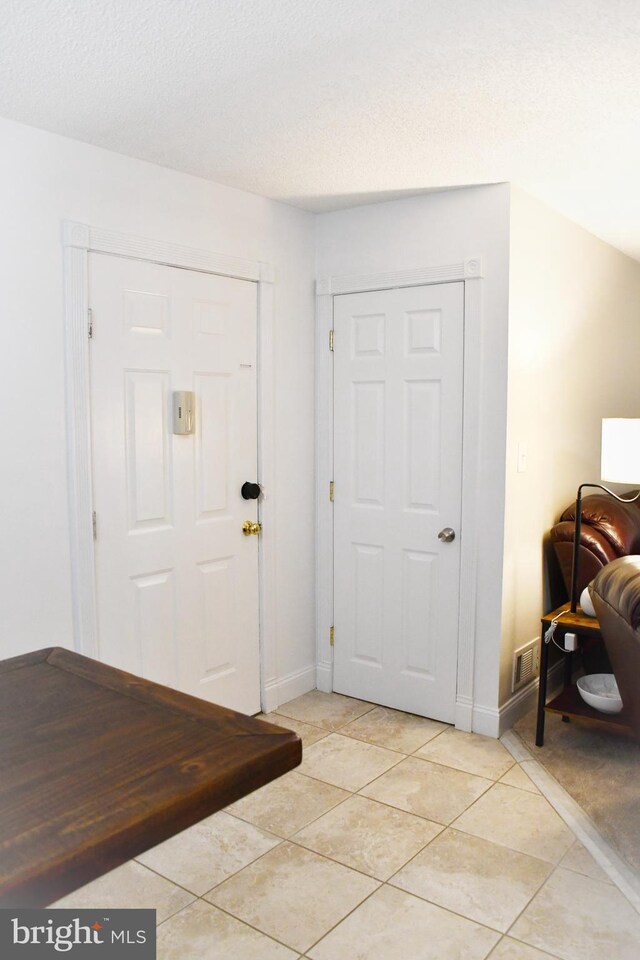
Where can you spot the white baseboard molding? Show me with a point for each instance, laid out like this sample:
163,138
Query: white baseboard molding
522,701
464,714
485,721
324,677
493,722
281,690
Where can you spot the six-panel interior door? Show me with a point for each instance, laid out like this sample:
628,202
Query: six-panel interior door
176,579
397,475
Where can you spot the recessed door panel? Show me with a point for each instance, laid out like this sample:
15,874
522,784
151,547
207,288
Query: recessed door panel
146,312
417,644
423,330
154,622
148,452
422,419
369,442
213,450
368,602
368,335
217,620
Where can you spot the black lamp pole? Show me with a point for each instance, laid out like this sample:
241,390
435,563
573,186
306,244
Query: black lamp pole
576,535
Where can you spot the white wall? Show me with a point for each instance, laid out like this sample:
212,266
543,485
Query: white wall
445,228
43,180
574,343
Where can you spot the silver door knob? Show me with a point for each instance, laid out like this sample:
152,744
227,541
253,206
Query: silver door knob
447,535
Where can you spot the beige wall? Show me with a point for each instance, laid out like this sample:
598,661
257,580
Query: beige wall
574,346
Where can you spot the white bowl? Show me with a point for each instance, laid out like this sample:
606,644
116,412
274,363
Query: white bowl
586,603
600,691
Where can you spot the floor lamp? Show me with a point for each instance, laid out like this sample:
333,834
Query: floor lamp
620,463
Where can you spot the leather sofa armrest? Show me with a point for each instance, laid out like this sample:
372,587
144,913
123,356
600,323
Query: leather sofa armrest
595,552
617,587
590,538
616,598
618,523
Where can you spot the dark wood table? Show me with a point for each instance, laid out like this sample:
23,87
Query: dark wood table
568,703
97,765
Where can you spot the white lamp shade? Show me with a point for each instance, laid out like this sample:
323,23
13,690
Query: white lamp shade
620,451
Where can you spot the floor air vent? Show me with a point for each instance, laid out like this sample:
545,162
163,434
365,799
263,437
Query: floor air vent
525,665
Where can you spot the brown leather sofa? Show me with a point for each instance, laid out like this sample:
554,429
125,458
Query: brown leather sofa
609,530
616,598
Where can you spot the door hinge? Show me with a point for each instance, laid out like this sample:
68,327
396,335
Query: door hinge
331,636
94,523
330,339
90,323
331,490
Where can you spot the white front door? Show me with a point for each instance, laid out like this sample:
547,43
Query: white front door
176,579
397,479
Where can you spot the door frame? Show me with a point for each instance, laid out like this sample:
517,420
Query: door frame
470,273
78,241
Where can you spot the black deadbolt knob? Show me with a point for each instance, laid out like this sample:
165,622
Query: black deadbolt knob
250,491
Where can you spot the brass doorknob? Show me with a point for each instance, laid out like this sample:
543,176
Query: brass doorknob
447,535
250,528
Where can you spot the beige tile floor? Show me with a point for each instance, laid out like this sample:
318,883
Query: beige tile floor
398,838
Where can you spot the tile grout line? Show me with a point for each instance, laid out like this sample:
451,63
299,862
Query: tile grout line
340,728
545,953
308,824
507,933
201,896
400,756
348,866
577,820
405,756
357,907
214,906
384,746
415,896
504,933
317,726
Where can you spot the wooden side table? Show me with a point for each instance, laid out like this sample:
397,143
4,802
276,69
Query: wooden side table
569,703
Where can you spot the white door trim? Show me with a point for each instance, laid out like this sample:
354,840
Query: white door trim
78,240
470,271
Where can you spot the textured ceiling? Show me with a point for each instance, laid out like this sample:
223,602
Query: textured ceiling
329,103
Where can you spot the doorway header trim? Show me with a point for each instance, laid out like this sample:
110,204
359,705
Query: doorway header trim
470,269
80,236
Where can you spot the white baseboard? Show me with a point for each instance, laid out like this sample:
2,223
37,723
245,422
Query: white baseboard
283,689
324,677
487,721
464,714
493,722
522,701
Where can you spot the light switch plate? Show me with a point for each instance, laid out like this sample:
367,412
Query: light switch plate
184,412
